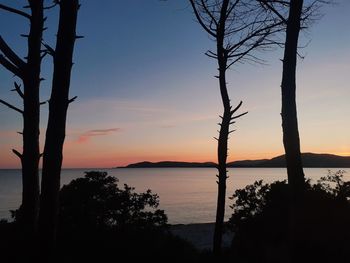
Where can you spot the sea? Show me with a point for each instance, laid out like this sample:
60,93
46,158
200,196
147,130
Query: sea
188,195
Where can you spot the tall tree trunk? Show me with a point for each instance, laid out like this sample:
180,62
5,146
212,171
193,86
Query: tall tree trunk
223,134
223,21
55,133
289,110
31,117
296,178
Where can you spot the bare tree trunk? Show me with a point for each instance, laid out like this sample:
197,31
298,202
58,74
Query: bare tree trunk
296,178
31,118
223,20
222,168
55,133
29,72
223,134
289,110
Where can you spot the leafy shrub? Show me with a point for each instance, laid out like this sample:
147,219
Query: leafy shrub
100,222
96,201
261,219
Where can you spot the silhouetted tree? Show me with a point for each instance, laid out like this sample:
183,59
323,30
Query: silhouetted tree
101,219
29,73
291,139
238,27
96,202
295,15
55,133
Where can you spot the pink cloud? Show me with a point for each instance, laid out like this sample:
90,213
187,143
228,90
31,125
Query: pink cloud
86,136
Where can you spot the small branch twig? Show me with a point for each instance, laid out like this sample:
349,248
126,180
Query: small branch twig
11,106
10,54
10,67
18,90
19,155
15,11
72,99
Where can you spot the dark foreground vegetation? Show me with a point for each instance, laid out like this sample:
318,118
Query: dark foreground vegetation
103,222
100,221
95,220
261,221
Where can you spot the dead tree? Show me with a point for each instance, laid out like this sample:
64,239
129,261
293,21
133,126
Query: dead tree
29,73
291,14
295,15
56,128
238,27
291,141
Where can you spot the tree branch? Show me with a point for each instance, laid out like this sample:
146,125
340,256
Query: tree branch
19,155
18,90
51,6
237,107
10,54
10,67
270,7
240,115
11,106
209,13
49,50
254,34
72,99
211,54
15,11
200,20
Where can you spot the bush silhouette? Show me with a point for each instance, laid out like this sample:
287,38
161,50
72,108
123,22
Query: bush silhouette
100,221
261,216
96,201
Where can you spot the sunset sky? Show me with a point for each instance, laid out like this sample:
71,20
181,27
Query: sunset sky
146,91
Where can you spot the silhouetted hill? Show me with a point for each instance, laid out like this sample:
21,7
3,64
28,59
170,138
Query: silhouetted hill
169,164
310,160
247,163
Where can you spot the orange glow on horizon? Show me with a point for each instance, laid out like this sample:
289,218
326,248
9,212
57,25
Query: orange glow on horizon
115,160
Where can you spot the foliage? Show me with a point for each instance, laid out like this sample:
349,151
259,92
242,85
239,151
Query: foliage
96,201
100,221
334,184
261,214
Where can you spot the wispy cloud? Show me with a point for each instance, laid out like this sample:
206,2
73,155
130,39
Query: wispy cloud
86,136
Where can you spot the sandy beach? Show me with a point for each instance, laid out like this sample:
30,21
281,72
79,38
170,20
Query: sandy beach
200,235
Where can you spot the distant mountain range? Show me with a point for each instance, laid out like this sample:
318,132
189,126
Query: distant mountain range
310,160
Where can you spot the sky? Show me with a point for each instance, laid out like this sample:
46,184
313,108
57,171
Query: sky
146,91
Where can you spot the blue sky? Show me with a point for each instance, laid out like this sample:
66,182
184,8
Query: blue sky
146,90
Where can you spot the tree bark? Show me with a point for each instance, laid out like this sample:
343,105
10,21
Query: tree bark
55,133
31,118
223,21
291,141
223,134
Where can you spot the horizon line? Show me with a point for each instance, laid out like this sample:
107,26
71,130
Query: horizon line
122,166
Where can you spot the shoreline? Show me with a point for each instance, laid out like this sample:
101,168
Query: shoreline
200,234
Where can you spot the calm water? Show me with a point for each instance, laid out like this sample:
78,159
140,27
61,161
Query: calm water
188,195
